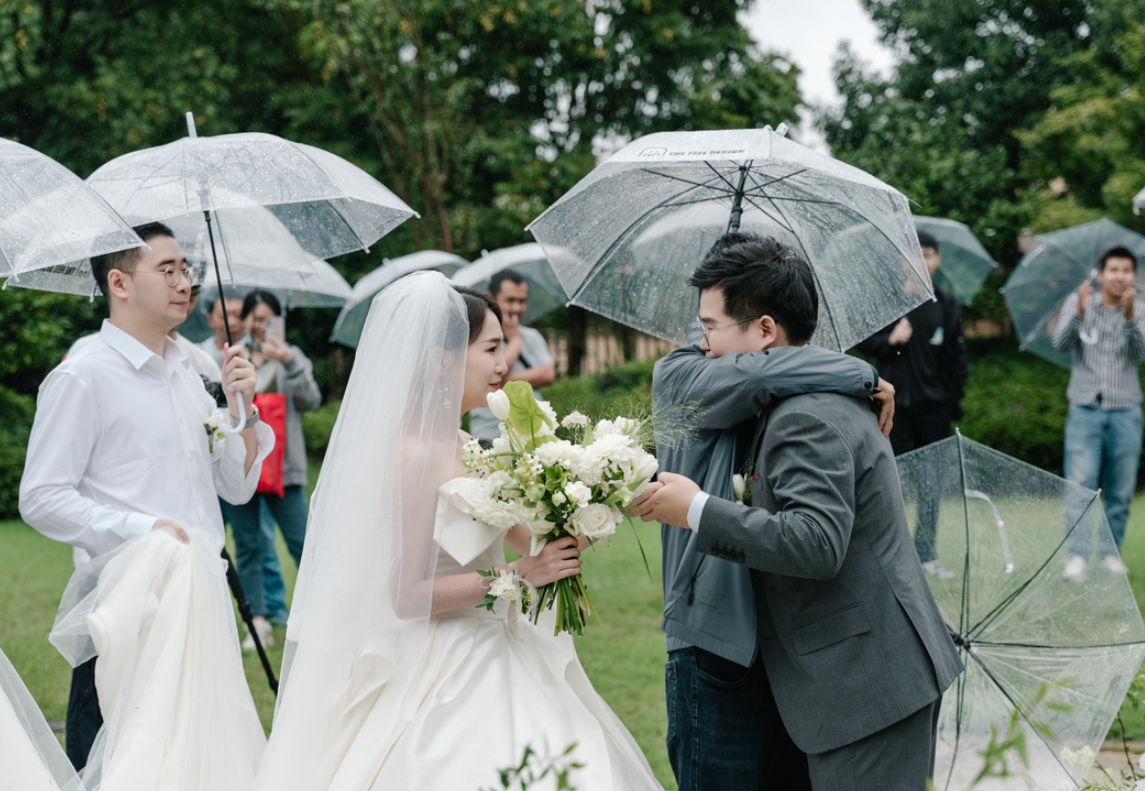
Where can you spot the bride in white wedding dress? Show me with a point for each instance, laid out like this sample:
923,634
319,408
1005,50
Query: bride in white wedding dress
393,676
30,757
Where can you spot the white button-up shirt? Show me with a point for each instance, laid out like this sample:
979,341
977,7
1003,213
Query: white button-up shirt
120,441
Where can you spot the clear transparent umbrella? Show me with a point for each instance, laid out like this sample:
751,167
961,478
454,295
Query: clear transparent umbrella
1056,266
625,239
51,223
965,262
352,319
1139,202
263,255
1059,655
528,260
330,206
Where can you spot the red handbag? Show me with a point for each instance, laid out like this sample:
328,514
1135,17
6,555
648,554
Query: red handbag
272,412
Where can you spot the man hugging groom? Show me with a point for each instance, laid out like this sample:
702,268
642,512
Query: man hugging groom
805,648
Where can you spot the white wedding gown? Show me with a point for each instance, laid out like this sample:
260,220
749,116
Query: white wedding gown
30,757
491,686
178,714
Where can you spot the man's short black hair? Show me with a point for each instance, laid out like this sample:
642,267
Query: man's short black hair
926,240
1117,252
125,260
498,279
760,277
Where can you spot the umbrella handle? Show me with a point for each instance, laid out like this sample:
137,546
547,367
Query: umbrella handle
242,413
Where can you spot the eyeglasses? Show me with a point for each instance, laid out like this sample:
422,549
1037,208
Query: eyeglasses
174,274
705,331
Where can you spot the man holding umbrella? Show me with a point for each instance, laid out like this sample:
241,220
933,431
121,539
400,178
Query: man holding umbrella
1103,430
119,446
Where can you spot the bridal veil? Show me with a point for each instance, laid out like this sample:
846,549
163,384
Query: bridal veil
360,615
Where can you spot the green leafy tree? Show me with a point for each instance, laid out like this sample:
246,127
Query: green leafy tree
485,112
1086,155
943,127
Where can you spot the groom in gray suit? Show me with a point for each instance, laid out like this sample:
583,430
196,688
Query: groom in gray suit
855,652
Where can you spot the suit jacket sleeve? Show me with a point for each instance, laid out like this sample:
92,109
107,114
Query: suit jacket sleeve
736,387
811,471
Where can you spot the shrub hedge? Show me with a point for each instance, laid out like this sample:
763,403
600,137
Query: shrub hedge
16,413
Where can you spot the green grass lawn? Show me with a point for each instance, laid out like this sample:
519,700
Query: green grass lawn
624,658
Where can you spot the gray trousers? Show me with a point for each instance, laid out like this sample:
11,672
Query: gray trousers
897,758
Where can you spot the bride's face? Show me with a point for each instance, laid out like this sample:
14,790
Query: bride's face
484,365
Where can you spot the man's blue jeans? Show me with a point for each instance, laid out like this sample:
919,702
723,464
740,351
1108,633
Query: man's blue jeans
1102,449
251,544
724,730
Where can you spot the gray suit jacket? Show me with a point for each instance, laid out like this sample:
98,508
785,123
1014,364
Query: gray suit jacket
709,603
849,632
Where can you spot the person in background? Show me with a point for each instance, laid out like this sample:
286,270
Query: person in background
281,368
1105,339
220,313
924,354
526,351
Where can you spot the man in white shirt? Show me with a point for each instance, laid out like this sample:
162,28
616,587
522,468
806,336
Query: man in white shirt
120,444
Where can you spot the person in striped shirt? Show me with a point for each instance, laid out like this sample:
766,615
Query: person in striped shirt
1105,334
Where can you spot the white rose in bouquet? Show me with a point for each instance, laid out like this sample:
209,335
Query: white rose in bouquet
498,404
593,521
578,493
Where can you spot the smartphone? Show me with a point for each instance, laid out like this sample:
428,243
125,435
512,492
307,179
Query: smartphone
276,329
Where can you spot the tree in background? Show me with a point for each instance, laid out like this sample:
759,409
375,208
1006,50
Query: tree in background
1086,154
943,127
485,112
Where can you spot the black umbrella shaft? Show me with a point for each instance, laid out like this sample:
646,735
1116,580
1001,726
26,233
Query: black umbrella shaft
218,275
245,613
737,202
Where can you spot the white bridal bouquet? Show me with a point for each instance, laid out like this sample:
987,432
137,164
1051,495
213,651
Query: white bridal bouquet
576,485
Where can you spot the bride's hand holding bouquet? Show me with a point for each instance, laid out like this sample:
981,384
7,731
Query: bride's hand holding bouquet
558,487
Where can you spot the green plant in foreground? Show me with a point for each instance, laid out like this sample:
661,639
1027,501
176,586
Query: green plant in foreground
526,773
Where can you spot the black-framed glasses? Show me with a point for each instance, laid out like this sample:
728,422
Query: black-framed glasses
706,331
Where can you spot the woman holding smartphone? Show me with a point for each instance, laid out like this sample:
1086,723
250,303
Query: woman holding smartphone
282,368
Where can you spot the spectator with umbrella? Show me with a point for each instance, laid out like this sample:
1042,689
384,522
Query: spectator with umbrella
924,354
1105,334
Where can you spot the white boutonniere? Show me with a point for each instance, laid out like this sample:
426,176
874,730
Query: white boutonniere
737,486
214,433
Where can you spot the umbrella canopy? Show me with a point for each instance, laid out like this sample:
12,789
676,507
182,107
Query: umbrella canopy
263,255
965,262
1059,655
51,223
352,319
625,239
330,206
1055,267
528,260
1139,202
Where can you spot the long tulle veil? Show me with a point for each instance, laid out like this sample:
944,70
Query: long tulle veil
360,614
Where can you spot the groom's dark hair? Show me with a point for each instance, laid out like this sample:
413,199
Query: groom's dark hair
760,277
125,260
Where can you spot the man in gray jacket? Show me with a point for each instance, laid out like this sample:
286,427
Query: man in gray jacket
852,654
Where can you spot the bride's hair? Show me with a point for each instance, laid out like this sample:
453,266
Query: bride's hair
477,305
